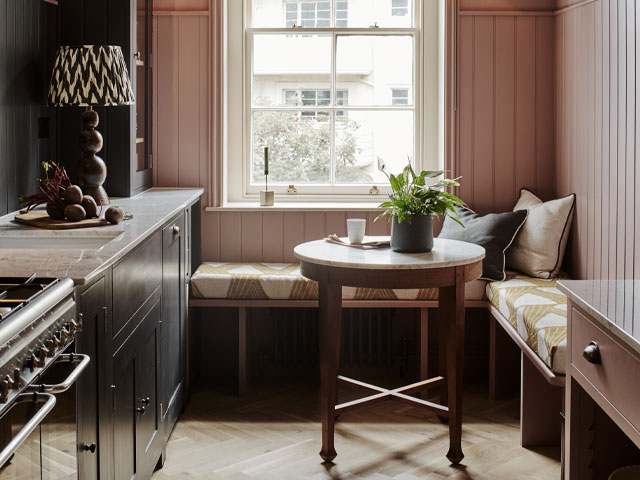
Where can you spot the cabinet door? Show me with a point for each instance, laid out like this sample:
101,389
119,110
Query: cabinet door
92,305
136,423
173,321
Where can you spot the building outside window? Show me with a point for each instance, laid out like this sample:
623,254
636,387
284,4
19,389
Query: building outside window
399,96
315,98
399,8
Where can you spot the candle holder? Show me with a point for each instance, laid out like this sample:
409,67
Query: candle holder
267,197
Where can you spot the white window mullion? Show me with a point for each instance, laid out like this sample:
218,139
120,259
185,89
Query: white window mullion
334,81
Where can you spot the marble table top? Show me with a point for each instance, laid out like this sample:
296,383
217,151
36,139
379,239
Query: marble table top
150,210
445,253
614,304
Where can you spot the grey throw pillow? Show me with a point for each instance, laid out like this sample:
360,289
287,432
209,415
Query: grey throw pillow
495,232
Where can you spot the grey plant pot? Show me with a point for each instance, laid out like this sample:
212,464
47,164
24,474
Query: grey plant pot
414,237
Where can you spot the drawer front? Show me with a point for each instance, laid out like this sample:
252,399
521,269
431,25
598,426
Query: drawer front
617,376
135,278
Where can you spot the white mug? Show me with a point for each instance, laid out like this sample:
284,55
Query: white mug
355,229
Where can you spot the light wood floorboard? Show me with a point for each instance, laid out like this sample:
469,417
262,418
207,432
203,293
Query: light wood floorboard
274,433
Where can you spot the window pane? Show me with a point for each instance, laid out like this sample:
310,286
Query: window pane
369,65
300,63
299,147
364,136
363,13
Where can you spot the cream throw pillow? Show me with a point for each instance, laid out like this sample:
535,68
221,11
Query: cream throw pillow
539,248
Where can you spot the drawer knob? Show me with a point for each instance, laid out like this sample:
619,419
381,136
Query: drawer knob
89,447
592,353
176,230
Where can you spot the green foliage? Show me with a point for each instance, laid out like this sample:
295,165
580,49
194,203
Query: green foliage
411,196
299,148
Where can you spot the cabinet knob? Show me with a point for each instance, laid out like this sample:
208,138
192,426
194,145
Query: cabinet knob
592,353
176,230
89,447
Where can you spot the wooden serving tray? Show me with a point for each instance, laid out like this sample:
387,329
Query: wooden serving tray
41,219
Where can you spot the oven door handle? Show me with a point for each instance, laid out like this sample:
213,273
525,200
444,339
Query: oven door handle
49,402
79,358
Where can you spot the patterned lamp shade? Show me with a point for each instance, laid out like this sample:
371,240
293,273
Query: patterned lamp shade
90,75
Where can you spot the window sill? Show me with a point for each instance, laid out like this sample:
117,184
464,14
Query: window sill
299,206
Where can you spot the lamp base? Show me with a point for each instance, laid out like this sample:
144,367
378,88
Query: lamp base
92,170
98,193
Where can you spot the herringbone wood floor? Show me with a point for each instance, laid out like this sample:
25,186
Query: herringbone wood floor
274,433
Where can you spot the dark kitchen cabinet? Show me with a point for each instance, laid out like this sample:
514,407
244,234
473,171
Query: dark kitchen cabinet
135,318
92,302
137,428
174,300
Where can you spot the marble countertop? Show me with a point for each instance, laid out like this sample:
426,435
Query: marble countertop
150,210
445,253
614,304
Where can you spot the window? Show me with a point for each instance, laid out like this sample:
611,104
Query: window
308,14
399,96
399,8
315,98
328,101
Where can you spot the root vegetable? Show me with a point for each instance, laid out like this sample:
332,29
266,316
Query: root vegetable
73,195
74,213
55,211
114,215
90,206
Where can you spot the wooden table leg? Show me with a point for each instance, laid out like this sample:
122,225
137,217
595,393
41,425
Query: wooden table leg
452,302
330,302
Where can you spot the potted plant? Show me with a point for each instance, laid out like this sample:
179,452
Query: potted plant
411,205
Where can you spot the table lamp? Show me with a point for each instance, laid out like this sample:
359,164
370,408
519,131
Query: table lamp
88,76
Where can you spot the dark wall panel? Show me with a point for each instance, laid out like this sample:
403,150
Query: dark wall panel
27,126
97,22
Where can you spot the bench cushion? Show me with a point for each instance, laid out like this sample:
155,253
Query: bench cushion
283,281
538,311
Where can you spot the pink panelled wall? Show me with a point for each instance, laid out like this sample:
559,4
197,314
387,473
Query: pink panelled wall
598,50
506,106
180,107
505,122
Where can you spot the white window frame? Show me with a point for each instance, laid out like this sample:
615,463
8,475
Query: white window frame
428,33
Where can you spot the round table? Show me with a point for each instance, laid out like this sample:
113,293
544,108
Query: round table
448,267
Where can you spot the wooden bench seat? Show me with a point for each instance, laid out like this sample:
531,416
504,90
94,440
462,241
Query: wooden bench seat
531,313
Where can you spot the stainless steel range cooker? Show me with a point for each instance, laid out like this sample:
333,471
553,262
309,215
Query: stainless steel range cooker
38,370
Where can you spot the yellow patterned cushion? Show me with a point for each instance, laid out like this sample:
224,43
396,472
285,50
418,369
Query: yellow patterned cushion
538,311
283,281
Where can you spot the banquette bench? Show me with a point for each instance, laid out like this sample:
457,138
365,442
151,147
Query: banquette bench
531,312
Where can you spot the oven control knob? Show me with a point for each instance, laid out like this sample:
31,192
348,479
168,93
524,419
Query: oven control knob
16,376
4,391
43,353
64,334
9,381
89,447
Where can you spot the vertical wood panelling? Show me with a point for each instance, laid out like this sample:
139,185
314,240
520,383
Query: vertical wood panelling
506,109
293,233
484,115
28,39
189,100
272,237
504,113
525,103
167,96
597,147
466,76
230,233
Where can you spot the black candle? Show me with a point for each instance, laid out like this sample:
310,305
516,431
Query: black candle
266,160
